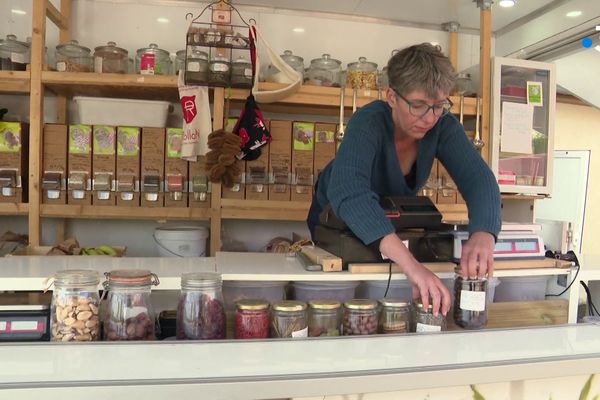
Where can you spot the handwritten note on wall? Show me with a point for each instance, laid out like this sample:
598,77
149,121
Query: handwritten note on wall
517,123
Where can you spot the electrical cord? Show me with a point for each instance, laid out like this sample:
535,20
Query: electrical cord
389,279
568,256
591,307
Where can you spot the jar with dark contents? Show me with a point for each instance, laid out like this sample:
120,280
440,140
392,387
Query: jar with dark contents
13,54
219,71
425,321
289,319
470,309
324,318
360,317
241,73
252,319
394,316
196,66
200,313
129,314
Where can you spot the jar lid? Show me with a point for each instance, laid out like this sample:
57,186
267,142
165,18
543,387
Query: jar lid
73,49
324,304
361,304
289,305
241,60
153,48
252,304
326,62
111,47
192,280
219,59
362,63
12,44
195,53
76,277
131,277
288,56
419,306
392,302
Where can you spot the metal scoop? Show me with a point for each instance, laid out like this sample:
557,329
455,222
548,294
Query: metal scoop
477,142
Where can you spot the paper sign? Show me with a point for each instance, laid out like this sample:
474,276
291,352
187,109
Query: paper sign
427,328
472,301
534,93
517,123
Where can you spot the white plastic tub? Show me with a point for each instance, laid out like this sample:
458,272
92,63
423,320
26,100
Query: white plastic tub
120,112
522,288
311,290
181,241
263,290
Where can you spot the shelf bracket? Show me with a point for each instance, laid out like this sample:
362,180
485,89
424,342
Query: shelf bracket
56,17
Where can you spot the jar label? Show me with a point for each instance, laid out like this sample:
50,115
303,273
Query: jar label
218,67
248,72
472,301
17,58
428,328
61,66
301,333
97,64
147,64
193,66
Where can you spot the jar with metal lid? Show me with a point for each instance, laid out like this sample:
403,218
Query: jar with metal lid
13,54
425,321
294,61
289,319
394,316
324,318
196,71
219,71
470,298
75,301
111,59
129,314
200,313
71,57
252,319
362,74
152,60
324,71
360,317
241,73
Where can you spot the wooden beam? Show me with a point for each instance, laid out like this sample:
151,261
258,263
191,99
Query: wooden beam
55,15
65,31
215,199
453,48
485,90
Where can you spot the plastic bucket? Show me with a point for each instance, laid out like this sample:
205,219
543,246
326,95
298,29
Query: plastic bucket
310,290
181,241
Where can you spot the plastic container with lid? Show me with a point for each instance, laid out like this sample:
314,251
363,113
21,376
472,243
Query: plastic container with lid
13,54
252,319
200,313
335,290
470,305
360,317
129,314
394,316
362,74
111,59
219,71
324,71
289,319
241,73
324,318
71,57
196,67
75,301
152,60
425,321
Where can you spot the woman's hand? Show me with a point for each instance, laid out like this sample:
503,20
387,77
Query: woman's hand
477,255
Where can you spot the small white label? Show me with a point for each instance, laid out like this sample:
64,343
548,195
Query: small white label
248,72
218,67
23,326
301,333
8,191
428,328
103,195
53,194
193,66
472,301
2,326
127,196
78,194
18,58
97,64
61,66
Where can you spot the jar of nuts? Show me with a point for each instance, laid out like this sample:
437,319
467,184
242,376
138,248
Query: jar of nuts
111,59
71,57
324,318
289,319
425,321
394,316
362,74
360,317
252,319
200,313
75,300
129,313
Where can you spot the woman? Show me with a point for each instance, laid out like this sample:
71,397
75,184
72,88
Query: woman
388,150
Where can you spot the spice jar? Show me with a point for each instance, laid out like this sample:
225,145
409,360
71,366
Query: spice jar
219,71
360,317
71,57
13,54
241,73
152,60
425,321
196,71
110,59
394,316
324,71
470,311
75,301
129,314
324,318
289,319
362,74
252,319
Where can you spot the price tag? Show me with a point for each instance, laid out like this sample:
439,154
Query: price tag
301,333
472,301
193,66
428,328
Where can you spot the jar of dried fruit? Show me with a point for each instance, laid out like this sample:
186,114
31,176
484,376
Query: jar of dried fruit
71,57
252,319
360,317
111,59
362,74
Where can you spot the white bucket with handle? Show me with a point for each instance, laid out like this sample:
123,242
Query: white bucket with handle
181,241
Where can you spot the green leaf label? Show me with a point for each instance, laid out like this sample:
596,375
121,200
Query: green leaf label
80,139
128,141
304,136
104,140
10,137
174,142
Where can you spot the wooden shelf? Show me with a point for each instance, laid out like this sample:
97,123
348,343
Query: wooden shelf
14,208
14,81
111,212
510,196
264,210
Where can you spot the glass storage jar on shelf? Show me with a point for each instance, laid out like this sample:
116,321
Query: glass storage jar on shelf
383,79
362,74
71,57
13,54
179,64
200,313
394,316
196,66
241,73
470,301
75,301
360,317
324,318
289,319
111,59
219,71
129,314
324,71
425,321
252,319
152,60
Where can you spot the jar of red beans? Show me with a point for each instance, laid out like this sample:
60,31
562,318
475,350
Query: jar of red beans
252,319
360,317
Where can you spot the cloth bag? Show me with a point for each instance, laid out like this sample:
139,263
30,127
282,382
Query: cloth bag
197,124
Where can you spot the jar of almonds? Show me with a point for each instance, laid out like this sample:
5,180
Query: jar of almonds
75,300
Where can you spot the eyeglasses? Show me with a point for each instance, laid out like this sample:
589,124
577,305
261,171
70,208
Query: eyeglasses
419,108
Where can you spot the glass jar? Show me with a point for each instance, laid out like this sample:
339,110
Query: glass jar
152,61
111,59
289,319
470,297
362,74
294,61
324,318
197,66
394,316
13,54
75,302
241,73
425,321
179,61
219,71
200,313
324,71
71,57
129,314
252,319
383,80
360,317
463,84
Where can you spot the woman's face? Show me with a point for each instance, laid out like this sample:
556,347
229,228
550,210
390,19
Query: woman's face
414,126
